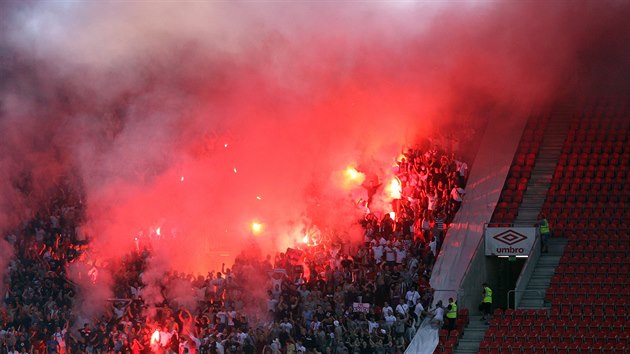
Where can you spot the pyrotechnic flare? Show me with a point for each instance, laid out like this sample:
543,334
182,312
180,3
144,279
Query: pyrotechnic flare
352,178
257,228
394,188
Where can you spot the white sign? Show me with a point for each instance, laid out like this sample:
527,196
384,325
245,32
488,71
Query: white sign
509,241
360,307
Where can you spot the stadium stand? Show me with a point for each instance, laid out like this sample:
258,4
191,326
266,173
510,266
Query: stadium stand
520,171
589,295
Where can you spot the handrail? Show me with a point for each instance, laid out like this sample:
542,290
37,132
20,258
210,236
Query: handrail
539,292
528,268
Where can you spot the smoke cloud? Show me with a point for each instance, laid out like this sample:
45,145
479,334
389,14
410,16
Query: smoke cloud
184,123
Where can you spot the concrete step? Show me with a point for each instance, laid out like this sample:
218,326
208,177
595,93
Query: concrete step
549,260
533,191
555,250
531,303
538,284
543,272
472,336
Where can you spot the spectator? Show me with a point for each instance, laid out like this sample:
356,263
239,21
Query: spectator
314,312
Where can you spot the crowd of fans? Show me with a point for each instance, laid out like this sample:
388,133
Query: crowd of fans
324,298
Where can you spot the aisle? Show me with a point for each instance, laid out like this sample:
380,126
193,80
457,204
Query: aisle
425,341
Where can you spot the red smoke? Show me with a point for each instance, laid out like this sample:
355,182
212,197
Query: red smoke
202,118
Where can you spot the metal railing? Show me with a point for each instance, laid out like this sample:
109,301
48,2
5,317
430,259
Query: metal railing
528,270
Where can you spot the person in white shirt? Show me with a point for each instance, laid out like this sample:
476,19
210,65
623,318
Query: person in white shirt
387,310
401,254
390,320
433,246
433,199
276,346
462,168
378,253
286,325
412,265
402,308
390,255
438,315
412,297
299,347
457,195
372,325
59,336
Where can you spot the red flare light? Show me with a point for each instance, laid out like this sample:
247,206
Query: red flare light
257,228
394,188
352,178
155,337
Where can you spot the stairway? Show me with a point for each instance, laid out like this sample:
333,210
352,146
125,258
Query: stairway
472,336
544,166
534,297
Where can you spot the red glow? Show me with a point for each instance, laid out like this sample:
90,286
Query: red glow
352,177
257,228
155,337
394,188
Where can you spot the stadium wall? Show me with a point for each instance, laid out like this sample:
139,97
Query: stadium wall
462,265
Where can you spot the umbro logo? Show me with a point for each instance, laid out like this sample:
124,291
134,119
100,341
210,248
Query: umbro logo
510,237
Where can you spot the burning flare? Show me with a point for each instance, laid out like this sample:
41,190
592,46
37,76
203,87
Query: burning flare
155,337
394,188
352,178
257,228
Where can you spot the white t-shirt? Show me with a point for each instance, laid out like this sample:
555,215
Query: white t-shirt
271,304
390,254
59,338
461,168
378,253
220,348
412,297
218,284
223,316
439,314
413,263
388,310
287,326
372,326
231,317
400,255
402,309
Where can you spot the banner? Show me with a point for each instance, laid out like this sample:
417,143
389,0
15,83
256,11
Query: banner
360,307
509,241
